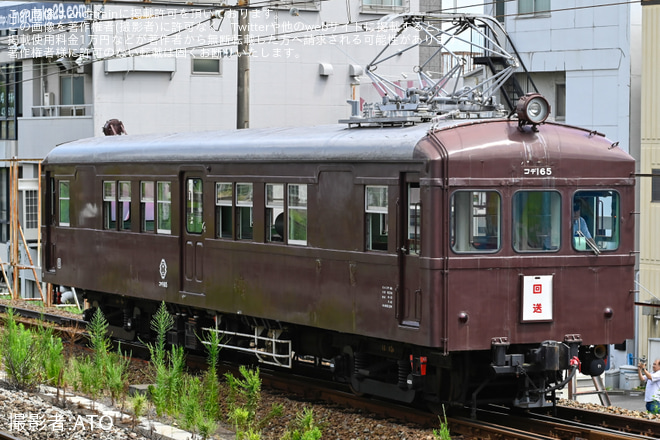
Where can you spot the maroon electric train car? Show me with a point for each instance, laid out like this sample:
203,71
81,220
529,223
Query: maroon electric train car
466,260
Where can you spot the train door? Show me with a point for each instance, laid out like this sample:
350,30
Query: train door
193,233
409,301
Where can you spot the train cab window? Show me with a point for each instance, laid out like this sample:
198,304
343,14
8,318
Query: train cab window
595,221
297,214
64,199
194,206
109,205
224,196
244,222
147,208
475,221
124,206
376,216
414,219
164,213
274,212
536,221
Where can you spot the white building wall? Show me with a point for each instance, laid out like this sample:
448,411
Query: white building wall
595,46
285,85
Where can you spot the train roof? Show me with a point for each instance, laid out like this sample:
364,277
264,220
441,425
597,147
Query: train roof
468,140
328,142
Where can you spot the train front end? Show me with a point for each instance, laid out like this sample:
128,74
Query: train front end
539,274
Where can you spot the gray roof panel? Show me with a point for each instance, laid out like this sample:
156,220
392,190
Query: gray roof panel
330,142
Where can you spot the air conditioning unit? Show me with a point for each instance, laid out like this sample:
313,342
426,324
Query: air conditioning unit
49,99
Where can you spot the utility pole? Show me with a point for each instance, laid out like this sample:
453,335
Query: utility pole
243,73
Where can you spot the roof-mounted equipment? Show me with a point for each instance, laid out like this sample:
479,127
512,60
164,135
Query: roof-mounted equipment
532,109
475,56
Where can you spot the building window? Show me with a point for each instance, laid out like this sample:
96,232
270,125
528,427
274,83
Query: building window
147,208
224,197
109,205
194,206
31,209
526,7
297,214
376,207
655,185
383,6
72,90
303,5
500,10
275,212
475,221
164,212
244,221
65,216
125,206
206,66
560,102
10,94
536,221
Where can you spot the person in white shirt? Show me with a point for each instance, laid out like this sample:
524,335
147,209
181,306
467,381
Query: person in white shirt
652,379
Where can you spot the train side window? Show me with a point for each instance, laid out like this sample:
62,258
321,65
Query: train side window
164,212
414,219
109,205
274,212
244,222
147,206
297,214
64,203
224,196
475,221
125,206
595,220
536,221
376,207
194,206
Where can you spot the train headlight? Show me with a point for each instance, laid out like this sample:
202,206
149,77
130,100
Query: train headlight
600,351
533,109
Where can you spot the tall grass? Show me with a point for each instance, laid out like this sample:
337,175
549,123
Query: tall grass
20,355
168,366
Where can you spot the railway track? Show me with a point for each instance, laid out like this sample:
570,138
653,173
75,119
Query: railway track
53,318
574,425
7,436
617,422
494,422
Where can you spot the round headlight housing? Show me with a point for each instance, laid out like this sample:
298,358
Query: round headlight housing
533,109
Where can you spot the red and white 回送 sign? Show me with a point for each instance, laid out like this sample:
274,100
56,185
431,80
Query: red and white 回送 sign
537,298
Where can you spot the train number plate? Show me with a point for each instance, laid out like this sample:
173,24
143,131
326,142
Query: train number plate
537,171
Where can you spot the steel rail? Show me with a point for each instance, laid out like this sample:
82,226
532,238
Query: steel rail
64,321
4,435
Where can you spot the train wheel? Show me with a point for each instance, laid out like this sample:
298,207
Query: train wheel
353,383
